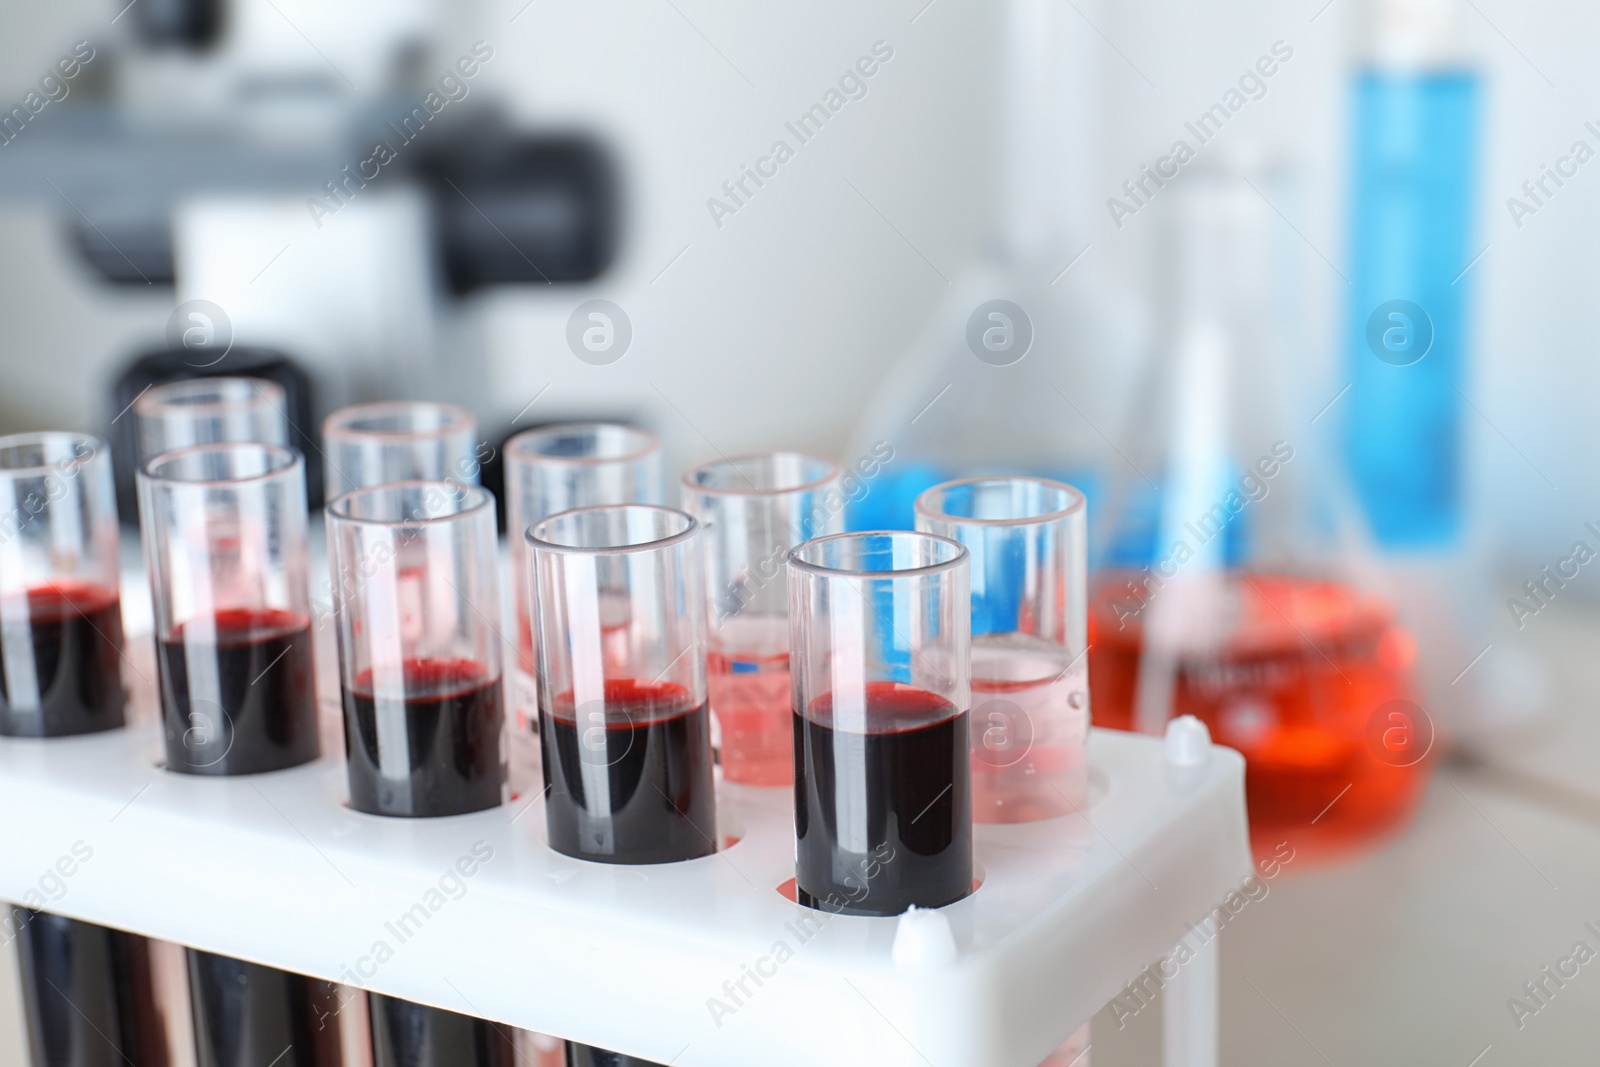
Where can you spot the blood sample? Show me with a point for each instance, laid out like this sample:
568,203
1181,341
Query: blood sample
753,509
60,614
883,806
88,994
405,1034
225,536
415,593
627,758
622,699
414,573
247,1015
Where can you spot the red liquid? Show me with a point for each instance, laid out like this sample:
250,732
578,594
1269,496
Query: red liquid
414,1035
630,782
61,672
751,699
908,840
444,755
1303,667
239,701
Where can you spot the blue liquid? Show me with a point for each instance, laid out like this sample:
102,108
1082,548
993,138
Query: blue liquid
890,504
1415,141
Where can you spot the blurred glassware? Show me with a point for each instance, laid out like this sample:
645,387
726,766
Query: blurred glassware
366,445
753,510
1024,363
1415,130
1030,679
1241,590
205,411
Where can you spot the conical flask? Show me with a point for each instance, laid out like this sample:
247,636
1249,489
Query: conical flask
1239,588
1019,369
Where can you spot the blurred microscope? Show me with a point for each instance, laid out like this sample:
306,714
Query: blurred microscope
318,183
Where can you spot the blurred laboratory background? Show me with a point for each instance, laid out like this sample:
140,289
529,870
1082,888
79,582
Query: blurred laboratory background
1294,291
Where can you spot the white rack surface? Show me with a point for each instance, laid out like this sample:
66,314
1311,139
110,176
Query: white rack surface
276,869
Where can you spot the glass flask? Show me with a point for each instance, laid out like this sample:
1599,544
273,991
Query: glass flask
1238,586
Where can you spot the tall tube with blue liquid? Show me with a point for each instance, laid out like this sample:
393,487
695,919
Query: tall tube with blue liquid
1414,144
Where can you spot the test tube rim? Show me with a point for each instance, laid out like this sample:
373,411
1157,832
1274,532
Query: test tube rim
539,544
516,449
158,399
336,427
958,559
1078,502
480,498
690,486
291,455
39,437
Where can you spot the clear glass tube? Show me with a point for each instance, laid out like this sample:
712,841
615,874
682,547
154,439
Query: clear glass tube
557,468
224,529
622,684
60,610
203,411
1027,538
752,511
398,441
415,574
879,644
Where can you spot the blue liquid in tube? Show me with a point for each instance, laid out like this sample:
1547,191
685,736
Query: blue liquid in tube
1415,142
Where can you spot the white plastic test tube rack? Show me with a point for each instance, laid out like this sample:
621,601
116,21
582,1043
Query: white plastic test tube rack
697,964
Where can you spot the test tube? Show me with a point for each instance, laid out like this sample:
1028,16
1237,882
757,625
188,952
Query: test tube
557,468
879,642
247,1015
224,529
88,992
203,411
621,684
405,1034
398,441
415,573
753,510
1027,539
60,609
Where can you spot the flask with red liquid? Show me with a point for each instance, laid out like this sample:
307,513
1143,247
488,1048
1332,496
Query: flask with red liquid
754,509
1237,589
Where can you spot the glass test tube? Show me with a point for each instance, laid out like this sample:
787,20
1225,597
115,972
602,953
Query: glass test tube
621,684
753,510
415,577
203,411
398,441
406,1034
60,608
1027,539
557,468
88,993
224,529
882,768
247,1015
